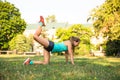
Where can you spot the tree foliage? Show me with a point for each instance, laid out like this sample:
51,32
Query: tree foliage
11,23
51,18
84,33
21,43
107,19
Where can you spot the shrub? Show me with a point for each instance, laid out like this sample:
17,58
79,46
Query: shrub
112,47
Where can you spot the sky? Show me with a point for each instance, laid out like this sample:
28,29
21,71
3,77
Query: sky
71,11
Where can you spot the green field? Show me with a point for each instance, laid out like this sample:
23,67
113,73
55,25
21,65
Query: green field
85,68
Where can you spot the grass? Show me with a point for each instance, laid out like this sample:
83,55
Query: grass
85,68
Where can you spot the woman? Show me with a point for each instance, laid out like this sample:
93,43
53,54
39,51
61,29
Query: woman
49,46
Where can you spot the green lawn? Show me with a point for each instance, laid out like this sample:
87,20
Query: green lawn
85,68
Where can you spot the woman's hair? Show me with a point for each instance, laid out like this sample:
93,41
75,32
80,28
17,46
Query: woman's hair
72,39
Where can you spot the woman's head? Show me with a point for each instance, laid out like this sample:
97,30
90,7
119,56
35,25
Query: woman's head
74,41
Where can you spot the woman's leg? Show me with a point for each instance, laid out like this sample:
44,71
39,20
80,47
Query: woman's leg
40,40
43,42
46,58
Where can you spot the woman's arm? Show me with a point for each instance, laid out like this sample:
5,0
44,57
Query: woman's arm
66,56
70,51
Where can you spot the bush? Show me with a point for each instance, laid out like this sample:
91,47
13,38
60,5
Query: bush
82,49
112,47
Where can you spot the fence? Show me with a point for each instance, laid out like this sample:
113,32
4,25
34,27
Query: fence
15,52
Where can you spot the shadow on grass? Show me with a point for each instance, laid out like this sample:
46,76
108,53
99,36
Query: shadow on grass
84,69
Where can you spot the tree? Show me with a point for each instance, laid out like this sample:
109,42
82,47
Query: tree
107,21
75,30
11,23
51,18
21,43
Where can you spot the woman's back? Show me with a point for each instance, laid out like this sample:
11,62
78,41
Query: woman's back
59,47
